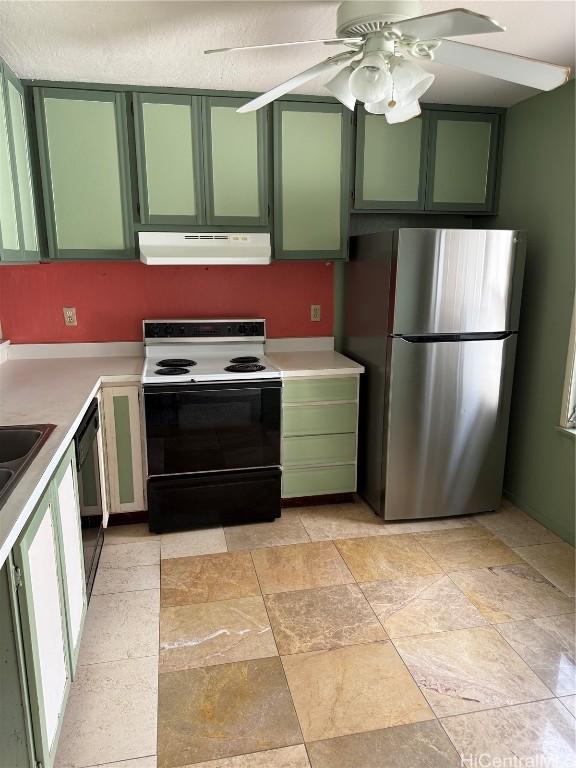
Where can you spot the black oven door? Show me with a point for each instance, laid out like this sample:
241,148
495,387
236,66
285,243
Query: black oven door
212,427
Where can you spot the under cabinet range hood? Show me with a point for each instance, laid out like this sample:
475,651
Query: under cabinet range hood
205,247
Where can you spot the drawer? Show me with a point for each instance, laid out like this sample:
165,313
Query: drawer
320,390
318,449
319,419
319,480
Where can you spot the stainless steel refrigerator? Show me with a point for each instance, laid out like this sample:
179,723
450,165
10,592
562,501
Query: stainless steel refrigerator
433,316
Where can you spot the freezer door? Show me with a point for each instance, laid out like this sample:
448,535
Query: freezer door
448,421
457,281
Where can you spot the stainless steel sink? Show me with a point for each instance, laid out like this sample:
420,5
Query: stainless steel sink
17,442
18,446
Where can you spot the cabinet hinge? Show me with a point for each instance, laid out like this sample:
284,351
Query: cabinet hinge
17,577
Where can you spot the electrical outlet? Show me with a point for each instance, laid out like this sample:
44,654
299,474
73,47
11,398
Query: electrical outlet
69,315
315,312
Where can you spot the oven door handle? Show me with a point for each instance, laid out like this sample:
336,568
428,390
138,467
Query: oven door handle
200,387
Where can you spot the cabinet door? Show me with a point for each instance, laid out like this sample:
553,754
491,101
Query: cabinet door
235,156
168,138
311,181
18,231
123,438
43,620
462,161
9,235
83,153
390,163
67,509
24,193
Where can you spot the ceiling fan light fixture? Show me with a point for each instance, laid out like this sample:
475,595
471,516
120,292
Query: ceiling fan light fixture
393,111
410,81
371,80
339,87
402,112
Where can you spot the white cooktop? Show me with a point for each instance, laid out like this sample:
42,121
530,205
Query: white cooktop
210,364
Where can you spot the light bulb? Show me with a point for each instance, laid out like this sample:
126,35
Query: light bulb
371,80
410,81
339,87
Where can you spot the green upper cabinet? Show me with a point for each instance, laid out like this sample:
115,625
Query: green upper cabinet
200,162
311,180
18,230
445,160
390,172
462,161
235,158
168,150
85,174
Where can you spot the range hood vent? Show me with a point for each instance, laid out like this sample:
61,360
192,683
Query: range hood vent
205,247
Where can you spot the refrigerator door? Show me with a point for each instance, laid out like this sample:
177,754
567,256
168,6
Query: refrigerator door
457,281
448,415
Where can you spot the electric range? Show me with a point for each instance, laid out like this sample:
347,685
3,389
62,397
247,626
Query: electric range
212,404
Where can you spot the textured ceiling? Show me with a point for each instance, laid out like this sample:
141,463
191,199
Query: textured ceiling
161,43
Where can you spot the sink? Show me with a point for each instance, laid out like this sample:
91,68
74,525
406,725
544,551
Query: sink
5,475
18,446
16,443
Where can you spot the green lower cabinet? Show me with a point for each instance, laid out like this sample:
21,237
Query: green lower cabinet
318,449
319,419
319,442
43,622
315,481
46,573
15,717
67,507
83,146
123,448
311,180
321,389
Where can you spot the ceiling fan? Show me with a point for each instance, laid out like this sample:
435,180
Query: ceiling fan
386,39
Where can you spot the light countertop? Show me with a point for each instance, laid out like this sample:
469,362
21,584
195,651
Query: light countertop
324,363
49,391
58,390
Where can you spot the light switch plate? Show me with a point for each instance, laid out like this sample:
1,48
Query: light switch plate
69,315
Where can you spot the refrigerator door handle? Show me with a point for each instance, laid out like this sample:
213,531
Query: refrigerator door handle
436,338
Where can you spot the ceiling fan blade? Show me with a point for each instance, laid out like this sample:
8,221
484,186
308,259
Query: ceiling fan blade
303,77
458,21
504,66
332,41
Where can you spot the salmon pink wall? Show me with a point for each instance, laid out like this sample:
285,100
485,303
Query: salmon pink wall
112,298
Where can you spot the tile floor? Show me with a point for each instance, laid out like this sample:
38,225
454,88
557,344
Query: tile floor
329,639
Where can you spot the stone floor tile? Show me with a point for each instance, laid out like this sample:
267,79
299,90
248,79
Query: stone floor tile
318,619
353,689
214,633
121,626
469,669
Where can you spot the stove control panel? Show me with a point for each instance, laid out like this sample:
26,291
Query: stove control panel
209,330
